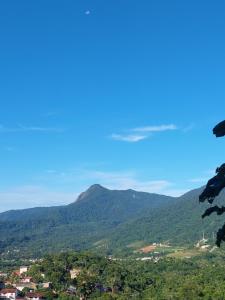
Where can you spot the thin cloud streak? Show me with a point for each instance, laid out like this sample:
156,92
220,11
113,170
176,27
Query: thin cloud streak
50,114
155,128
128,138
129,180
22,128
141,133
33,196
119,180
61,187
198,180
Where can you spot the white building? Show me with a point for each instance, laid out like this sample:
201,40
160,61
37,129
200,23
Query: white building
9,293
23,269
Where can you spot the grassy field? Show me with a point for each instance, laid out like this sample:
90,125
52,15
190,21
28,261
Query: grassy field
186,253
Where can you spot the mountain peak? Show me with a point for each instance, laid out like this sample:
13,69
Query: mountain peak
92,190
96,187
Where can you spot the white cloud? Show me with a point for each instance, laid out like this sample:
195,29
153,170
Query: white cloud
76,181
129,180
118,180
33,196
132,138
141,133
155,128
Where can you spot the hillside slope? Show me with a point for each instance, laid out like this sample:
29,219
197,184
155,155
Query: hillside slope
180,223
95,213
114,219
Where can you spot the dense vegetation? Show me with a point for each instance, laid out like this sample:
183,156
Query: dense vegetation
102,278
78,225
107,221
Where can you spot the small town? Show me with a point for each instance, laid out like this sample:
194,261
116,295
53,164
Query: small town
18,285
29,282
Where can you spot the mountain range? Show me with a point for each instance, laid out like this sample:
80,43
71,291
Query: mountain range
107,220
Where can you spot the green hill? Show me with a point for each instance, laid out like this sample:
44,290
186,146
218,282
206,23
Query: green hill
111,218
91,217
179,222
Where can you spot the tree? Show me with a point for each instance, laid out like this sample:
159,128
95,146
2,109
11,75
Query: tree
214,186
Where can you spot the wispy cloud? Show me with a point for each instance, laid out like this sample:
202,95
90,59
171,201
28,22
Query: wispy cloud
33,196
50,114
198,180
130,180
210,172
132,138
155,128
57,187
22,128
141,133
113,180
203,178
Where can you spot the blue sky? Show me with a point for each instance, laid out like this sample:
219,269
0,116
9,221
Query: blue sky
121,93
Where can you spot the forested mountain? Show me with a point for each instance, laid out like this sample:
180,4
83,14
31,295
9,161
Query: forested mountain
95,204
100,216
180,223
90,218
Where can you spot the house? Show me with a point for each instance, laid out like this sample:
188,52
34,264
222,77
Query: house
34,296
16,273
74,273
9,293
26,279
23,269
205,246
46,285
21,285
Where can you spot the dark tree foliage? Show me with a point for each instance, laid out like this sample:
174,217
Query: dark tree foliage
219,129
214,187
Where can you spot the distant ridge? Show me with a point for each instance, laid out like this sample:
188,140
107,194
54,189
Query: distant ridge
118,216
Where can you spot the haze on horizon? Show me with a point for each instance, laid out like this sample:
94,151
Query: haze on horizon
124,94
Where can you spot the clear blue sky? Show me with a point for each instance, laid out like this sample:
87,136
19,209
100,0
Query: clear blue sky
121,93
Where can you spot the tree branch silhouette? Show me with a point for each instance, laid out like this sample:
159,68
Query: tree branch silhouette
213,188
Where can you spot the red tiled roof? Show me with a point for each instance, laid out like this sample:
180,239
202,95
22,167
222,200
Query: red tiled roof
34,295
16,273
148,249
6,291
